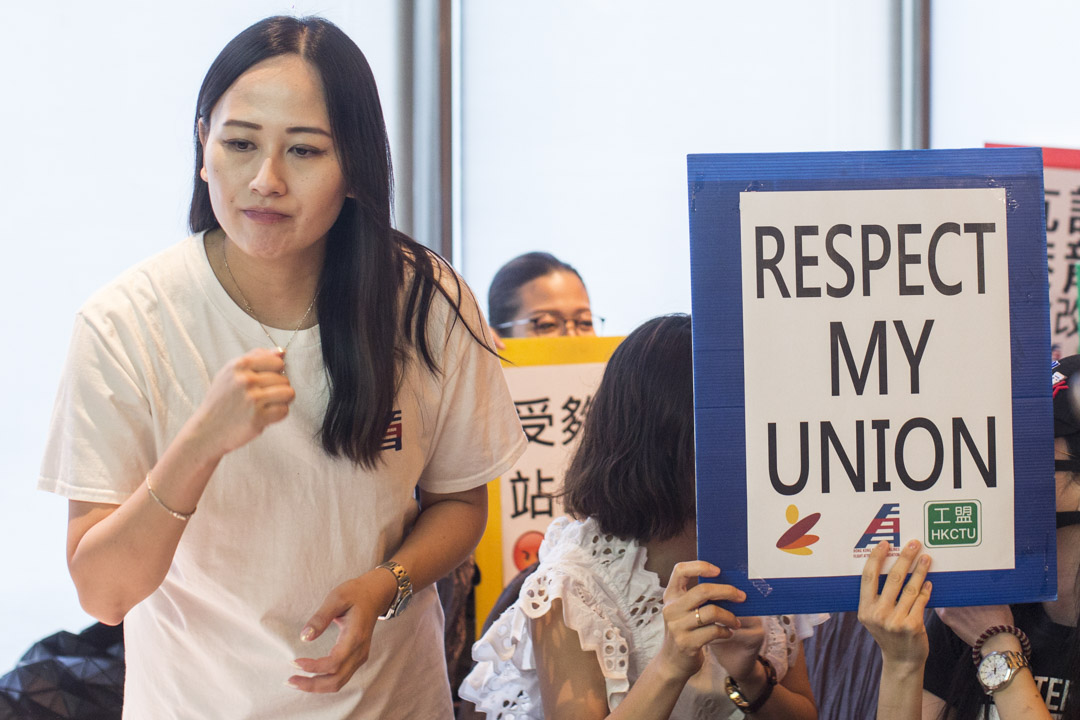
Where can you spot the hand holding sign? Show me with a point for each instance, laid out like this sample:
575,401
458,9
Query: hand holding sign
895,615
690,623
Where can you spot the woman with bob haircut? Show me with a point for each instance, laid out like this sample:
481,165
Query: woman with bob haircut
285,421
612,622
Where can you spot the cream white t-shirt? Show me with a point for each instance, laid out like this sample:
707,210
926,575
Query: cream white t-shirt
281,523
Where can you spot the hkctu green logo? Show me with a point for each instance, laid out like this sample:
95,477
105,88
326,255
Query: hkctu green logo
953,524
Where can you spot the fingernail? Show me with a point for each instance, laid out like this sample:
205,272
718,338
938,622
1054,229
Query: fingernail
913,545
742,595
290,683
924,560
307,634
297,666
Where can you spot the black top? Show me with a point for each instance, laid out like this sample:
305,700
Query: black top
1049,656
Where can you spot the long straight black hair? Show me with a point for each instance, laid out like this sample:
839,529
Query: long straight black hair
366,329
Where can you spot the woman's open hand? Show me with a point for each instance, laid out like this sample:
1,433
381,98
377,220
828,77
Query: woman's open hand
690,621
895,615
354,606
246,395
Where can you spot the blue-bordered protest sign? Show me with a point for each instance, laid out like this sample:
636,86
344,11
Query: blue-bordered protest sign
871,361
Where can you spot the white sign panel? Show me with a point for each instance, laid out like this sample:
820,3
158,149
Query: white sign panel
879,298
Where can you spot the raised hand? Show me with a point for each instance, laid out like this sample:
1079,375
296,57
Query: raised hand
895,615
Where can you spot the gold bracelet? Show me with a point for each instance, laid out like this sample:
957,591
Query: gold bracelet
178,515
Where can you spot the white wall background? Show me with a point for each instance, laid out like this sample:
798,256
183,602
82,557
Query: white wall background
98,104
1004,72
577,118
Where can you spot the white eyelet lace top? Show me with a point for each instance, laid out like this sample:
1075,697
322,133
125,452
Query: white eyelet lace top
614,604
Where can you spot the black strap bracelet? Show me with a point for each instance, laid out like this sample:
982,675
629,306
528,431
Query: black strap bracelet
749,708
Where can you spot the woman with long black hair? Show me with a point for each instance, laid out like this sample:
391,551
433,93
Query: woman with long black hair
284,422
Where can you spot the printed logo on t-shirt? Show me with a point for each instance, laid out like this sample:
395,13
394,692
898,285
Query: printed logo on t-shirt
1055,692
392,438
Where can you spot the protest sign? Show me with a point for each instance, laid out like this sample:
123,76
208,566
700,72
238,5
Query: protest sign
1061,187
552,381
871,361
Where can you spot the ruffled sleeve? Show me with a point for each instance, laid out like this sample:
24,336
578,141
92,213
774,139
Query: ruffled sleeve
782,636
504,683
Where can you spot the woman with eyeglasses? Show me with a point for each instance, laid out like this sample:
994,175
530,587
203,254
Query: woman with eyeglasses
538,295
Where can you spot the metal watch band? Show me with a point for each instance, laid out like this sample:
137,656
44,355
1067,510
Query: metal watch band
404,589
1014,662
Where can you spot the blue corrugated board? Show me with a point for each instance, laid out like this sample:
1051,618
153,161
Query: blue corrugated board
715,183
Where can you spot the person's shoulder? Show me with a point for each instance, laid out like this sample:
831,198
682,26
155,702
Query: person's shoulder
566,534
566,546
425,266
451,309
144,284
581,549
575,567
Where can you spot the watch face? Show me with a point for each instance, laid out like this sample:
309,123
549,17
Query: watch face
994,671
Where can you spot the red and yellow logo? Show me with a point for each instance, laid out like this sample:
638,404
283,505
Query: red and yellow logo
796,540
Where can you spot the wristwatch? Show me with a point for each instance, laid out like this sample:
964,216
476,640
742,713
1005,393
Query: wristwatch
998,669
404,590
735,693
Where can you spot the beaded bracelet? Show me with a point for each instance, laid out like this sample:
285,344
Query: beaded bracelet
976,649
178,515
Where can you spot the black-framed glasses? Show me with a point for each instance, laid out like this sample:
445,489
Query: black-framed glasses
552,324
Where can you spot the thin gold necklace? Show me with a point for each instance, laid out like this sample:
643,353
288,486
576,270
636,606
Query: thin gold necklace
251,312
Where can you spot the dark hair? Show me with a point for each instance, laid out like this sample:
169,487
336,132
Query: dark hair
504,300
365,333
634,469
